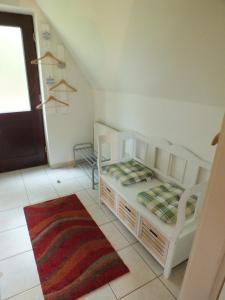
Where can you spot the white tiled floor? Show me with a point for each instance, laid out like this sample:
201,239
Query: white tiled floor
20,279
117,240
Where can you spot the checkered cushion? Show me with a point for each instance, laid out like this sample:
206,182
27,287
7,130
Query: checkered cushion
163,201
129,172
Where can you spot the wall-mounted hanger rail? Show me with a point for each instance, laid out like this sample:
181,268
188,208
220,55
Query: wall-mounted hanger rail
48,54
69,87
51,98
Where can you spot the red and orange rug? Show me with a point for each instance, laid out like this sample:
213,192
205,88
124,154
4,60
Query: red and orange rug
73,256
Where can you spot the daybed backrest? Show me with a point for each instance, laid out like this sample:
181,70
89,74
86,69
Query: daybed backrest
173,163
133,146
176,163
102,129
119,146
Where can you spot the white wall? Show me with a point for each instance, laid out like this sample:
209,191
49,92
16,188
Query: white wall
171,49
190,124
66,126
76,126
157,66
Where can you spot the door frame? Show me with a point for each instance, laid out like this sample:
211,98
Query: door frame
205,272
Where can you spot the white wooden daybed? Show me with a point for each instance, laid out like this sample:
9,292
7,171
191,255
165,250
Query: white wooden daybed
168,244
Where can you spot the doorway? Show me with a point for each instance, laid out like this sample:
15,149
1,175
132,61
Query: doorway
22,141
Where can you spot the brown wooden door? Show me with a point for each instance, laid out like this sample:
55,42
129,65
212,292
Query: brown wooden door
22,142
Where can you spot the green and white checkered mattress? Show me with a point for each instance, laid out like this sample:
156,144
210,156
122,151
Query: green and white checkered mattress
129,172
163,202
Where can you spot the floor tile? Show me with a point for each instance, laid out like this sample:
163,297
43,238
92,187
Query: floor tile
36,169
13,197
111,216
40,192
14,242
63,174
33,294
154,290
98,214
80,171
139,274
103,293
94,194
12,218
19,274
117,240
85,181
68,187
125,232
176,278
9,179
35,176
149,259
85,198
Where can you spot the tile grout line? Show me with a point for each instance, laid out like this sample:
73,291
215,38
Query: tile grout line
138,288
12,256
22,292
145,261
121,249
12,208
167,287
13,228
28,198
157,276
108,222
54,188
130,243
52,185
48,185
90,194
112,290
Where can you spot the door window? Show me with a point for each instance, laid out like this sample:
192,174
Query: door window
14,93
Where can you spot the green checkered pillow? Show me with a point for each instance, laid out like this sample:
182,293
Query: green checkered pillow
163,202
129,172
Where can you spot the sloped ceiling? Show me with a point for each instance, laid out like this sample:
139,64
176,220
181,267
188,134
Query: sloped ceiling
173,49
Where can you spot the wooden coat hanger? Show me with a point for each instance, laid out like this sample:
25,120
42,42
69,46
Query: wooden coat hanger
215,140
48,55
63,82
51,98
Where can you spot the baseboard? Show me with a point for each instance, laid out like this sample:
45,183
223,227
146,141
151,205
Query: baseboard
62,164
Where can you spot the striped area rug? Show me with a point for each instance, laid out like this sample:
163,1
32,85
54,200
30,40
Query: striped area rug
73,256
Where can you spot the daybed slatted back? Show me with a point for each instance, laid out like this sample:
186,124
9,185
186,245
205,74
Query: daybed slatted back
176,163
173,163
102,129
133,146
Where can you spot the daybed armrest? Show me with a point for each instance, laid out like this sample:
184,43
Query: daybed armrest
199,190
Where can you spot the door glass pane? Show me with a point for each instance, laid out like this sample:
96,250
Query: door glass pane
14,94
